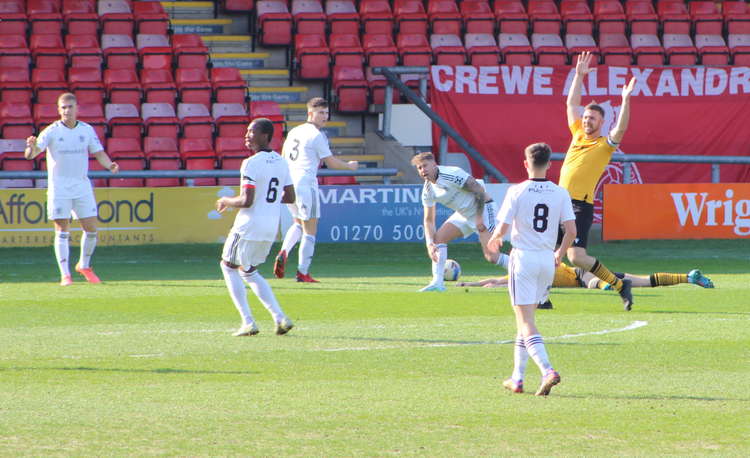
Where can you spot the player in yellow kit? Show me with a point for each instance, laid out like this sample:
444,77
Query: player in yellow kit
587,156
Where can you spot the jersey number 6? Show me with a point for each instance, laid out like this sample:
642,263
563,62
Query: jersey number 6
273,190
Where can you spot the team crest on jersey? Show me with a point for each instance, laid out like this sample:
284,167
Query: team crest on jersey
81,138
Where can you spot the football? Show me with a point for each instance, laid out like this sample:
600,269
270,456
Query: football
452,270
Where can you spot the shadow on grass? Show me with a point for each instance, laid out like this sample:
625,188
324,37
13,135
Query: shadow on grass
676,312
161,370
645,397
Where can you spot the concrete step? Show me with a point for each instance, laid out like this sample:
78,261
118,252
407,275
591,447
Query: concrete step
189,10
267,77
365,160
240,60
280,94
332,129
228,43
202,26
348,145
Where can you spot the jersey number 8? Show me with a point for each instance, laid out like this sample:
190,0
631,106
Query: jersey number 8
541,212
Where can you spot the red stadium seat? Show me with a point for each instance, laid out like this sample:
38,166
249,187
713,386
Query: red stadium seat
198,154
380,50
154,51
93,114
515,48
238,6
549,49
14,23
231,163
124,120
706,18
308,17
544,16
478,17
160,120
46,23
674,17
272,111
342,16
231,147
15,57
411,17
312,57
193,86
274,23
736,17
151,18
447,49
44,115
116,17
47,51
576,44
739,46
346,50
609,17
414,49
376,16
15,120
122,86
511,16
196,121
228,85
119,51
48,84
680,50
615,49
160,148
159,162
351,89
444,17
187,40
15,85
15,162
377,84
125,148
231,119
712,49
577,17
128,164
87,85
80,17
642,18
158,86
647,49
482,49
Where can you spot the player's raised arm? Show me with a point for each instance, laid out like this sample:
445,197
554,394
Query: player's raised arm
574,95
618,131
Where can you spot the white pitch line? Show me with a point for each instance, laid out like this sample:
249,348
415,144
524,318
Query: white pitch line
630,327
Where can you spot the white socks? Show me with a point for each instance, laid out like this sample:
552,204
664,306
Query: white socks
237,292
306,250
62,252
535,347
438,268
503,260
263,291
291,238
520,358
88,243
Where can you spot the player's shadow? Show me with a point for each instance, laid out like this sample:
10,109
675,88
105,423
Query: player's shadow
158,370
646,397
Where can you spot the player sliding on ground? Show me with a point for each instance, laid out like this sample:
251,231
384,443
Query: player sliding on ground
588,155
575,277
534,209
265,184
474,211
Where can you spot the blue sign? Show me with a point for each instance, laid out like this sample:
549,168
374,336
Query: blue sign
387,213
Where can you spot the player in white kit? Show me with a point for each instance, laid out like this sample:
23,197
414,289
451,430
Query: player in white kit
265,184
69,143
474,211
535,209
305,146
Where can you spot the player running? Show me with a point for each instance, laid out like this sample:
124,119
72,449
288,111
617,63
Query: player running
474,211
535,209
588,155
265,185
69,142
305,146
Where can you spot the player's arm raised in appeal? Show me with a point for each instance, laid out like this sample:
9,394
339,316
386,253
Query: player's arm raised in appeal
573,102
617,132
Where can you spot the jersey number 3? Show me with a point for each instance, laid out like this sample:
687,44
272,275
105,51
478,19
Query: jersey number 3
541,212
295,150
273,190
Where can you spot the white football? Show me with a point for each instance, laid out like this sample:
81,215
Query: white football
452,270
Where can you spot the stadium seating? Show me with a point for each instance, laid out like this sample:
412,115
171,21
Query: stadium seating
48,84
44,115
511,16
647,49
673,16
609,17
577,17
228,85
15,84
124,120
93,114
119,51
351,89
158,86
444,17
739,46
482,49
160,120
549,49
477,17
274,23
16,120
150,18
376,16
377,84
80,17
231,119
544,16
679,49
577,44
515,49
712,49
641,17
346,50
87,85
615,49
736,17
410,16
414,49
193,85
198,154
116,17
448,49
342,17
195,120
308,17
312,57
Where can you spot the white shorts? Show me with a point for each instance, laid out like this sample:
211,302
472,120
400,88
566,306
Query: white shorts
530,275
245,253
307,204
80,207
469,226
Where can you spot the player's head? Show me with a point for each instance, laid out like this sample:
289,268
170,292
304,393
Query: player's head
425,164
317,111
67,107
593,118
259,134
537,157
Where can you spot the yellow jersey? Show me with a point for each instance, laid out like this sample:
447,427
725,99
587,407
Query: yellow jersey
565,277
584,163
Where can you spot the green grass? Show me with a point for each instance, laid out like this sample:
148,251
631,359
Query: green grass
144,364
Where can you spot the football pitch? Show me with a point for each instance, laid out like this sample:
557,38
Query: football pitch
145,363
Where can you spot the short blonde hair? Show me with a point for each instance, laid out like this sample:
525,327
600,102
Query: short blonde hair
67,96
421,157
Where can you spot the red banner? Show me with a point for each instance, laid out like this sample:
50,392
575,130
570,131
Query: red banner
685,111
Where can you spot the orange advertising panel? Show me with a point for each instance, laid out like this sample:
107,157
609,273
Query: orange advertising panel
676,211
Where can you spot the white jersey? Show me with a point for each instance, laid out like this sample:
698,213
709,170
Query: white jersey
449,190
68,158
268,174
535,208
305,146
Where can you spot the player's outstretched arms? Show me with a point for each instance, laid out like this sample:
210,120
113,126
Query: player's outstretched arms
618,131
573,103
